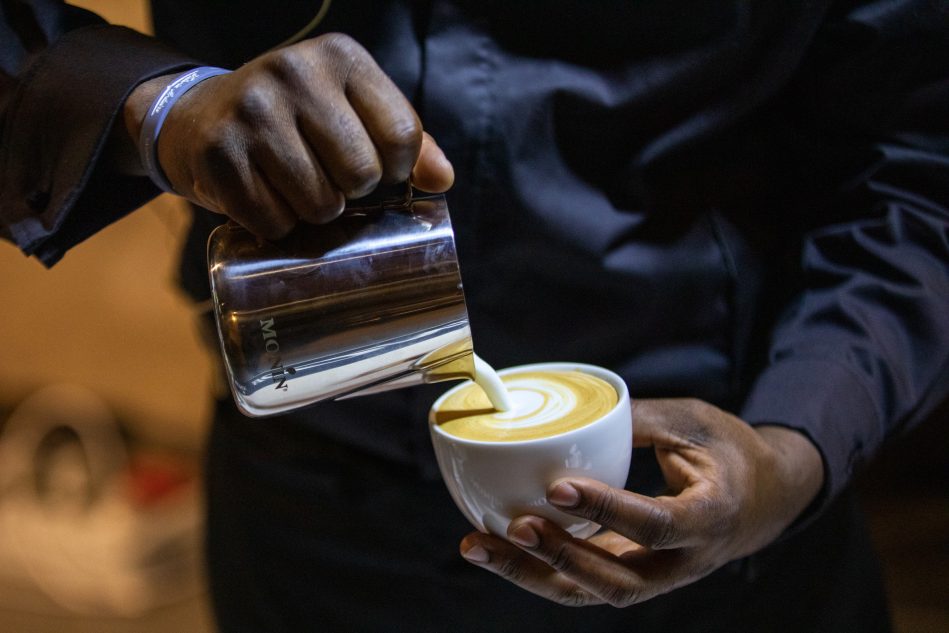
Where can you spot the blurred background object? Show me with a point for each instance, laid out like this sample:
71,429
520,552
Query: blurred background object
906,495
111,317
104,402
91,523
105,395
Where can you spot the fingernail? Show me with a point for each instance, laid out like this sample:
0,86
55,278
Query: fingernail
476,554
564,495
525,536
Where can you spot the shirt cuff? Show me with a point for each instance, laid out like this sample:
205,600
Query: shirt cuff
56,125
828,403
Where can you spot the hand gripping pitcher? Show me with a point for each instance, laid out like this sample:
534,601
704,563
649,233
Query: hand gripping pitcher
369,302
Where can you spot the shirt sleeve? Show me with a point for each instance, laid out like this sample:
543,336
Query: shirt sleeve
64,75
862,352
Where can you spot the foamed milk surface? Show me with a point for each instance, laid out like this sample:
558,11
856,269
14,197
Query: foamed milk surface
543,403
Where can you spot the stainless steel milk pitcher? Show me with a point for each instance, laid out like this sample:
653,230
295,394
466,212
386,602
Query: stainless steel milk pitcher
369,302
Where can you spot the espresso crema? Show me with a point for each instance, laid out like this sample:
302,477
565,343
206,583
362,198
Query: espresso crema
542,404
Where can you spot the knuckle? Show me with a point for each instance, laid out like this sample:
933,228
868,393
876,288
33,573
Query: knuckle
340,46
289,65
620,596
361,176
573,597
403,136
559,558
254,104
276,230
344,56
323,201
603,507
259,219
511,570
324,212
400,145
658,529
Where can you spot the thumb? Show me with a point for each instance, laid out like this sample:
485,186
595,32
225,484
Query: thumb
432,172
649,427
676,423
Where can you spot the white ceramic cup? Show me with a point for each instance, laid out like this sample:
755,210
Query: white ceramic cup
494,482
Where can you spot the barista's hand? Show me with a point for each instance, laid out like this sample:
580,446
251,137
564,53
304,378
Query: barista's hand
734,489
291,135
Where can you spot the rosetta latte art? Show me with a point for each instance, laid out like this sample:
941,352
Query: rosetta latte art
544,403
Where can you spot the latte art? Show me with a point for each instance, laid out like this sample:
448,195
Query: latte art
543,403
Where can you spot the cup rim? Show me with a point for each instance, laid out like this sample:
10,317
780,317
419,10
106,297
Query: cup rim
600,372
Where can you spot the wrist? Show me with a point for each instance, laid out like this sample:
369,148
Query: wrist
128,127
136,107
122,150
798,467
157,112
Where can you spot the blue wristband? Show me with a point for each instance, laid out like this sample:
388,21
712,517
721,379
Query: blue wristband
155,117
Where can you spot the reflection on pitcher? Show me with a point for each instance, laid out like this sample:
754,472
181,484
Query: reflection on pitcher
369,302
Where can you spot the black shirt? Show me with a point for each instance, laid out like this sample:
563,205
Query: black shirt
742,202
